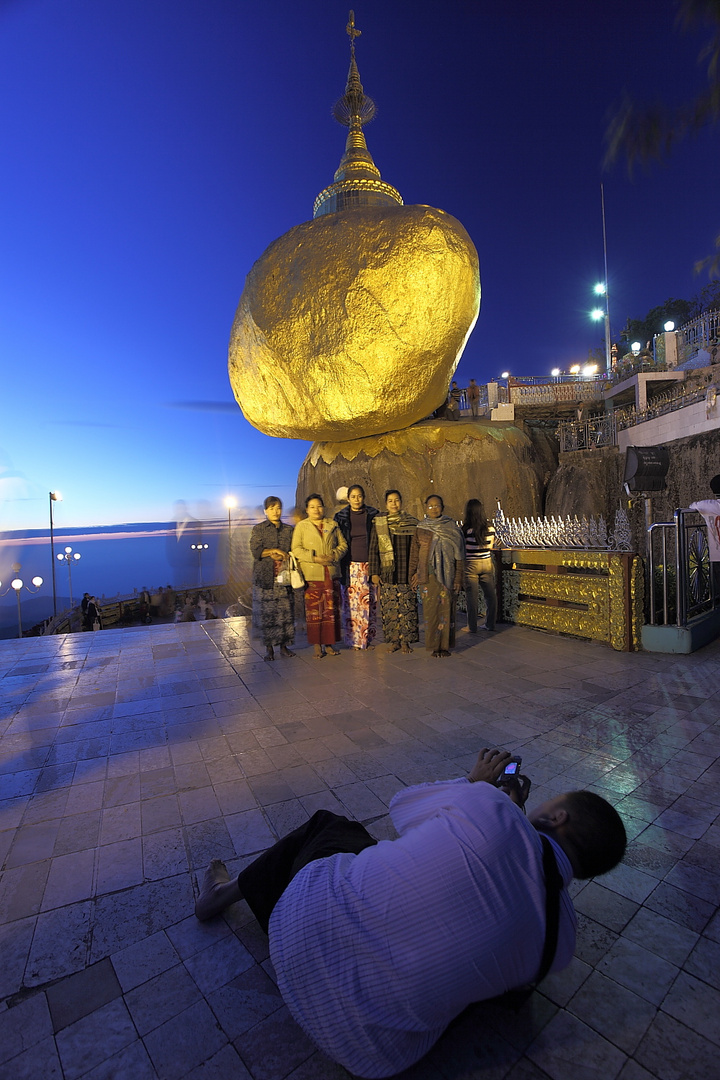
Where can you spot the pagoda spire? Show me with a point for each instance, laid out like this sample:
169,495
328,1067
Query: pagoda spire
357,180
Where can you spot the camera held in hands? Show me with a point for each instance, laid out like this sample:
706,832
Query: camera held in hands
512,769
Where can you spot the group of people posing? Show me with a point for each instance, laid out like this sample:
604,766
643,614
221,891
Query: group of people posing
362,554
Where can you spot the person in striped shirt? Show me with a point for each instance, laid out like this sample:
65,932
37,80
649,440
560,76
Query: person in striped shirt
377,946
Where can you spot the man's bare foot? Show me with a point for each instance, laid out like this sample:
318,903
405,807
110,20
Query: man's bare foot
218,891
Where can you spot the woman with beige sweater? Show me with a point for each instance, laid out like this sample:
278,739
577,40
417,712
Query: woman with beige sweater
318,545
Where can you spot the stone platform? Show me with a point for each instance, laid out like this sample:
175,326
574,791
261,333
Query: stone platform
128,758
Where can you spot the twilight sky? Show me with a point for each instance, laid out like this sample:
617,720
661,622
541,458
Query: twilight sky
152,149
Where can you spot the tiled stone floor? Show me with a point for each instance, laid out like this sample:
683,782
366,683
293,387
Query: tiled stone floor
131,757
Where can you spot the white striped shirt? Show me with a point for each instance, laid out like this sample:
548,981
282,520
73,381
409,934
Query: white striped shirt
376,953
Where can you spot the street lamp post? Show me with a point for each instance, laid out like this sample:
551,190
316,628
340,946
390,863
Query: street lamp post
18,585
230,502
69,556
55,496
601,289
199,548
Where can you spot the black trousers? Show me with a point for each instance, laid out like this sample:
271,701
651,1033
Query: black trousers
263,882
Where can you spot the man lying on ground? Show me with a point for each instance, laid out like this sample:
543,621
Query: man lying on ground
378,946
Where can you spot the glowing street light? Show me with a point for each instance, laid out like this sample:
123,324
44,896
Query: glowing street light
597,314
575,369
18,585
55,496
589,370
669,327
635,348
555,372
69,556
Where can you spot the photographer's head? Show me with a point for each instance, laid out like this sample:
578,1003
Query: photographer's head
589,830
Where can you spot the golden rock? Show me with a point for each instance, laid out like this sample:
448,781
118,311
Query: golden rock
353,323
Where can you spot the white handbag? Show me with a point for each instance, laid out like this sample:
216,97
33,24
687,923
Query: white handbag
296,576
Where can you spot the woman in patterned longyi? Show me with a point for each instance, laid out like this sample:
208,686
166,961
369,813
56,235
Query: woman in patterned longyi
358,593
390,543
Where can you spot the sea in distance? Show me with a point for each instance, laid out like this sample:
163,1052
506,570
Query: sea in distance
115,560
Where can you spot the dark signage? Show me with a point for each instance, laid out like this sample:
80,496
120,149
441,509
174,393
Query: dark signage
646,468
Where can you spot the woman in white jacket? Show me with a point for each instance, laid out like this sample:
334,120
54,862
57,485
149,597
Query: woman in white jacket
318,545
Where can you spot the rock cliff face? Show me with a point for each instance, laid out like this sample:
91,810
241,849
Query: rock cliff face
458,460
587,482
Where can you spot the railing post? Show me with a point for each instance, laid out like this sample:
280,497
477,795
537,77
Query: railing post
651,574
680,568
665,579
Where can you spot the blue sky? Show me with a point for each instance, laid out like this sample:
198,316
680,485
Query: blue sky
154,148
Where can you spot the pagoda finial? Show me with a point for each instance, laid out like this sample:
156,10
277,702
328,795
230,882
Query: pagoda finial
351,31
357,179
354,108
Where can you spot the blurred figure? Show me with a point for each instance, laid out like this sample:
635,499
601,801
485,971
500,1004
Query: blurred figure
473,396
93,614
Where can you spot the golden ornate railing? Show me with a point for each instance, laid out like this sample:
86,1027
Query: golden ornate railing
596,595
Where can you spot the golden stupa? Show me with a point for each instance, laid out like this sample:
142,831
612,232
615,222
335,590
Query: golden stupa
352,324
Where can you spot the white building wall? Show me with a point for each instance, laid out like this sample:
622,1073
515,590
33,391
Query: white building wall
692,420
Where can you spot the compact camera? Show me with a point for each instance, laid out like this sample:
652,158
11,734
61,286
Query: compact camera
511,769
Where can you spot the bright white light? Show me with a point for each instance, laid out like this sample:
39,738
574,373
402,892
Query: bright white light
16,584
56,496
597,314
575,369
505,375
599,289
636,347
230,502
37,582
68,550
669,327
60,557
76,555
555,372
590,369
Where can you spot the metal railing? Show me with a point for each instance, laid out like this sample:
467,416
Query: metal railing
602,430
588,434
681,584
666,402
550,393
699,333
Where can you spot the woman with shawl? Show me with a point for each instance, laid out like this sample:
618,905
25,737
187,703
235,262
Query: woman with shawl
390,542
437,562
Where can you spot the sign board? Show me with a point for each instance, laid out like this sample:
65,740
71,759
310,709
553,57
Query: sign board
646,468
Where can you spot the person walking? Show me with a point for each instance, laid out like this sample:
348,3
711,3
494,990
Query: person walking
473,395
